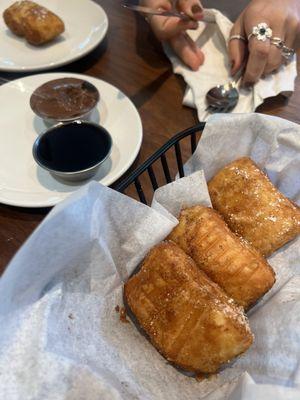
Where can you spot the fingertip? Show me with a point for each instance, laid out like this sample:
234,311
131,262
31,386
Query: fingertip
187,50
247,81
194,11
197,12
237,54
195,61
198,16
247,85
201,56
188,24
197,9
195,64
232,69
235,66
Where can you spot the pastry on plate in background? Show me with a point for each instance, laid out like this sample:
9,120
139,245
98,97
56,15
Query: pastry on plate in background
34,22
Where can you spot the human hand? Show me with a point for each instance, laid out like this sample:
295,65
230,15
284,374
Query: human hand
173,30
283,17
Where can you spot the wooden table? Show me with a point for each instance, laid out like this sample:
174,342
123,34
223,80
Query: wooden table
131,59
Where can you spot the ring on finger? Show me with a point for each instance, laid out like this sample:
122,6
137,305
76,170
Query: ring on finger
261,31
287,52
237,37
277,41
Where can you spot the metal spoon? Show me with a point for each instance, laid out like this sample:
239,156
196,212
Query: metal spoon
223,98
207,15
161,12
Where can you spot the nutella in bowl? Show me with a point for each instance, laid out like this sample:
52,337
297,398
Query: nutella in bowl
64,100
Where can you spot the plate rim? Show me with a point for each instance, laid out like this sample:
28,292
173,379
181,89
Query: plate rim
58,64
126,166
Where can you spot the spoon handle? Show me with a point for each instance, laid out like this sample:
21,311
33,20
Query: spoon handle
161,12
238,74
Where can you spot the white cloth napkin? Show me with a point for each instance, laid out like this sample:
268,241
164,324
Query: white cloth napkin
212,38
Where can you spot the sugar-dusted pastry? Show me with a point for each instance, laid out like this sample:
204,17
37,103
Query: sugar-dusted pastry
252,207
187,317
240,270
36,23
15,15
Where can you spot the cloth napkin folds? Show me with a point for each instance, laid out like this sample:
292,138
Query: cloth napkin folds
212,37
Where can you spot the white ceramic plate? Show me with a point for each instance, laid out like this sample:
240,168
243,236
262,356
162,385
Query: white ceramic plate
22,182
86,25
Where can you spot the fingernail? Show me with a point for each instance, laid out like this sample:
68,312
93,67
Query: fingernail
247,85
197,11
232,68
192,25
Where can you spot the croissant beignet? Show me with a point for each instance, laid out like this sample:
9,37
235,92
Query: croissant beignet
187,317
252,206
236,267
36,23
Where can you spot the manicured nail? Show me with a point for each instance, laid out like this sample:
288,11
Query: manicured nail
232,67
197,11
191,24
247,85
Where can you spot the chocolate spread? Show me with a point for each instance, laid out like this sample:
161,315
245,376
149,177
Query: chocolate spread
64,99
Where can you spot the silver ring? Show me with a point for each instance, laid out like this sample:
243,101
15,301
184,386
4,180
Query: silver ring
287,52
238,37
261,31
278,42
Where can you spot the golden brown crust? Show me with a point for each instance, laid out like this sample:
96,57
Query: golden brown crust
252,207
187,317
36,23
15,14
236,267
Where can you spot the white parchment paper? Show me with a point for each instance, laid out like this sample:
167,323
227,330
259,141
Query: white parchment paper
60,336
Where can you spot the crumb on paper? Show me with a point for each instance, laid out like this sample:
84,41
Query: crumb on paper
71,316
200,377
123,316
211,377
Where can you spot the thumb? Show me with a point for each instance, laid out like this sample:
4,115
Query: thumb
237,48
193,8
237,54
187,50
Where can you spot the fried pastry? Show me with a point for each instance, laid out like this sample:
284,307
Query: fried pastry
252,207
15,14
187,317
36,23
240,270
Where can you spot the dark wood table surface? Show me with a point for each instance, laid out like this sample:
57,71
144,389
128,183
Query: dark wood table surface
131,59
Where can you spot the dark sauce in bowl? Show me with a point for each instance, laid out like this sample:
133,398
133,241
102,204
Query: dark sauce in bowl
72,147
